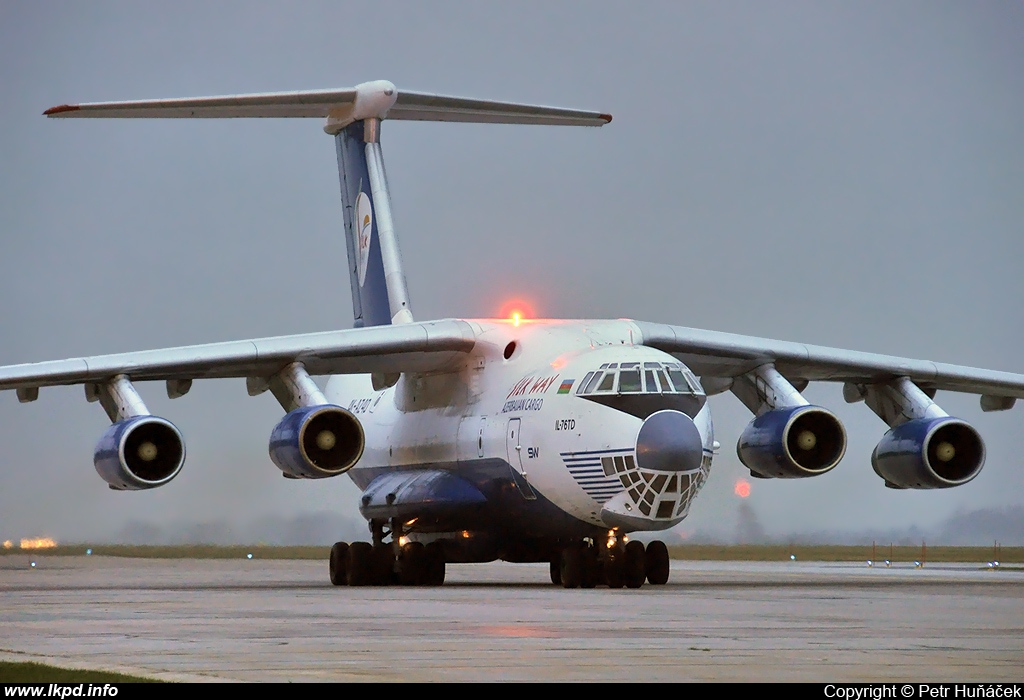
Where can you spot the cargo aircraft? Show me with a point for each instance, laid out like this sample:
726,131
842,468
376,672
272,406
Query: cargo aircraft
517,439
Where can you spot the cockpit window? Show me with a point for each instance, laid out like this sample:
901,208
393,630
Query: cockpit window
592,384
666,385
650,383
637,378
629,381
684,381
583,385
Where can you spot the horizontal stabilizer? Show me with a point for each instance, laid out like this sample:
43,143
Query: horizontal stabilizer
377,99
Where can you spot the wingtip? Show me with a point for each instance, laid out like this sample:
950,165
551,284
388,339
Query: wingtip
607,118
60,109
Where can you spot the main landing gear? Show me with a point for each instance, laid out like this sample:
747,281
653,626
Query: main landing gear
614,563
387,563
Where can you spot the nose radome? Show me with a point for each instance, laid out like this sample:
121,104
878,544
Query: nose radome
669,442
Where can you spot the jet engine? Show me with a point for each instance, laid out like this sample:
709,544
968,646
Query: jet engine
315,442
138,453
929,453
791,443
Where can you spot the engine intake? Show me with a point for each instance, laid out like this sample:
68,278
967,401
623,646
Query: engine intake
315,442
929,453
792,443
139,453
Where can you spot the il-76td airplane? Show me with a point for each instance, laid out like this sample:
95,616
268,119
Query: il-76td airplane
523,440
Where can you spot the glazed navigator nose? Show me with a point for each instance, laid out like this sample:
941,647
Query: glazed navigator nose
669,442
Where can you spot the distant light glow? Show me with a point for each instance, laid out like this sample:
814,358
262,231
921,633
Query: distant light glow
249,555
742,488
519,630
517,311
38,543
8,544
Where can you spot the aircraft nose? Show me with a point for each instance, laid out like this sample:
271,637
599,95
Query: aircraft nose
669,442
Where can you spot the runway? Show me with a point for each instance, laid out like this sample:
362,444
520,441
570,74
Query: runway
253,620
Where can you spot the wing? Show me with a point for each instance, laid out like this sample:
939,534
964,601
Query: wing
726,356
925,448
413,347
314,440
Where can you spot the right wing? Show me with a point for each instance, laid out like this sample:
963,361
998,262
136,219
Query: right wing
412,347
315,439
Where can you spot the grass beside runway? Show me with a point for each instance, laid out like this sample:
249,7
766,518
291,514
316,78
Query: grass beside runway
695,552
30,672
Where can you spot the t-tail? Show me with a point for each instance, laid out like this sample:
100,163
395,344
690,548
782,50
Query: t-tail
353,116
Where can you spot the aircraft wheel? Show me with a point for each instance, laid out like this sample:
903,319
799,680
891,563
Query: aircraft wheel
339,559
634,565
591,568
614,573
556,571
657,563
571,566
359,564
383,565
412,565
433,556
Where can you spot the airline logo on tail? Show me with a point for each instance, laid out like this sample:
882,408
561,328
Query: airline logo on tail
364,226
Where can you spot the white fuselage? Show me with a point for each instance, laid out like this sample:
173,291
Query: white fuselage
518,398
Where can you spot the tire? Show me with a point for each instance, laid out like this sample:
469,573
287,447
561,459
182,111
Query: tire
359,565
571,567
556,571
433,555
412,565
339,564
383,565
591,568
634,565
657,563
614,569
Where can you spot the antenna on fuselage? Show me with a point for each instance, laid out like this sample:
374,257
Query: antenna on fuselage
353,116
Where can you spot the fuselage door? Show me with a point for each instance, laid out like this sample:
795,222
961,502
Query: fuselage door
513,443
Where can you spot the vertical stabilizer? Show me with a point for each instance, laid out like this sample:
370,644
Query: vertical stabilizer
379,293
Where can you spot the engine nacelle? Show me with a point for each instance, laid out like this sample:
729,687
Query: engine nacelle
929,453
139,453
791,443
315,442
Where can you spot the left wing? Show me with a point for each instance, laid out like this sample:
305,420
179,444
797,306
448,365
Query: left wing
726,356
789,438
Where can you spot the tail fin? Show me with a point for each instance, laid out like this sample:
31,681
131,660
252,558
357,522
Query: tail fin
379,294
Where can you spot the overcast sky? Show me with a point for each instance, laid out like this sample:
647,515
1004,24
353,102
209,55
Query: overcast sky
846,174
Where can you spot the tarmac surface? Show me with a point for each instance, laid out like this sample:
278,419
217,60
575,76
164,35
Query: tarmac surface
253,620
